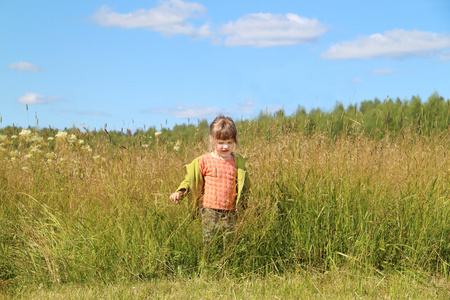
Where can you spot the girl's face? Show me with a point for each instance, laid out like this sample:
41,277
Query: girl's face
223,148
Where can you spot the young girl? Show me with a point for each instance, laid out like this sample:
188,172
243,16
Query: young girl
221,179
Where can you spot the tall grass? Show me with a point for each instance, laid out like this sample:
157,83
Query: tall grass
77,212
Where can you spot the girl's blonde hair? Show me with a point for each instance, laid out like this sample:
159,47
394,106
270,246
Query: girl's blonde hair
223,128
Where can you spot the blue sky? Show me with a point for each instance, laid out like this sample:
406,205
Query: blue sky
130,64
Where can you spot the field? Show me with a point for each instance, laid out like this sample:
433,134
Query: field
348,215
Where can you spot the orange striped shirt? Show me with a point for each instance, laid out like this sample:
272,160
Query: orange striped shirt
220,182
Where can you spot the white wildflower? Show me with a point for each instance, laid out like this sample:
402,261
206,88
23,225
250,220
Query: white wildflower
72,139
35,149
177,145
25,132
24,168
50,138
96,157
145,145
14,153
81,142
28,155
61,134
87,148
158,133
14,136
51,155
37,138
3,137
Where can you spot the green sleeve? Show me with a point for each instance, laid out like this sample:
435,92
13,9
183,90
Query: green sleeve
184,184
194,179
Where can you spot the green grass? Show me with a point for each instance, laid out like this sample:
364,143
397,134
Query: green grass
354,213
303,285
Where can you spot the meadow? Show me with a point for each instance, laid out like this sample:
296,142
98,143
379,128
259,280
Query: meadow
347,214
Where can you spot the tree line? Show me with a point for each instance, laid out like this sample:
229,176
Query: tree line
375,118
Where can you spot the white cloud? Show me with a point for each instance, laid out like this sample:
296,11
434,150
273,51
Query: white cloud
170,18
33,98
397,43
23,67
191,111
267,30
247,106
356,80
254,30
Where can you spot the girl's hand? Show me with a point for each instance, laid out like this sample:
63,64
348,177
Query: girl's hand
176,197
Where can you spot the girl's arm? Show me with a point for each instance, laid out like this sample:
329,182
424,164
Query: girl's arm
184,185
192,182
177,196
